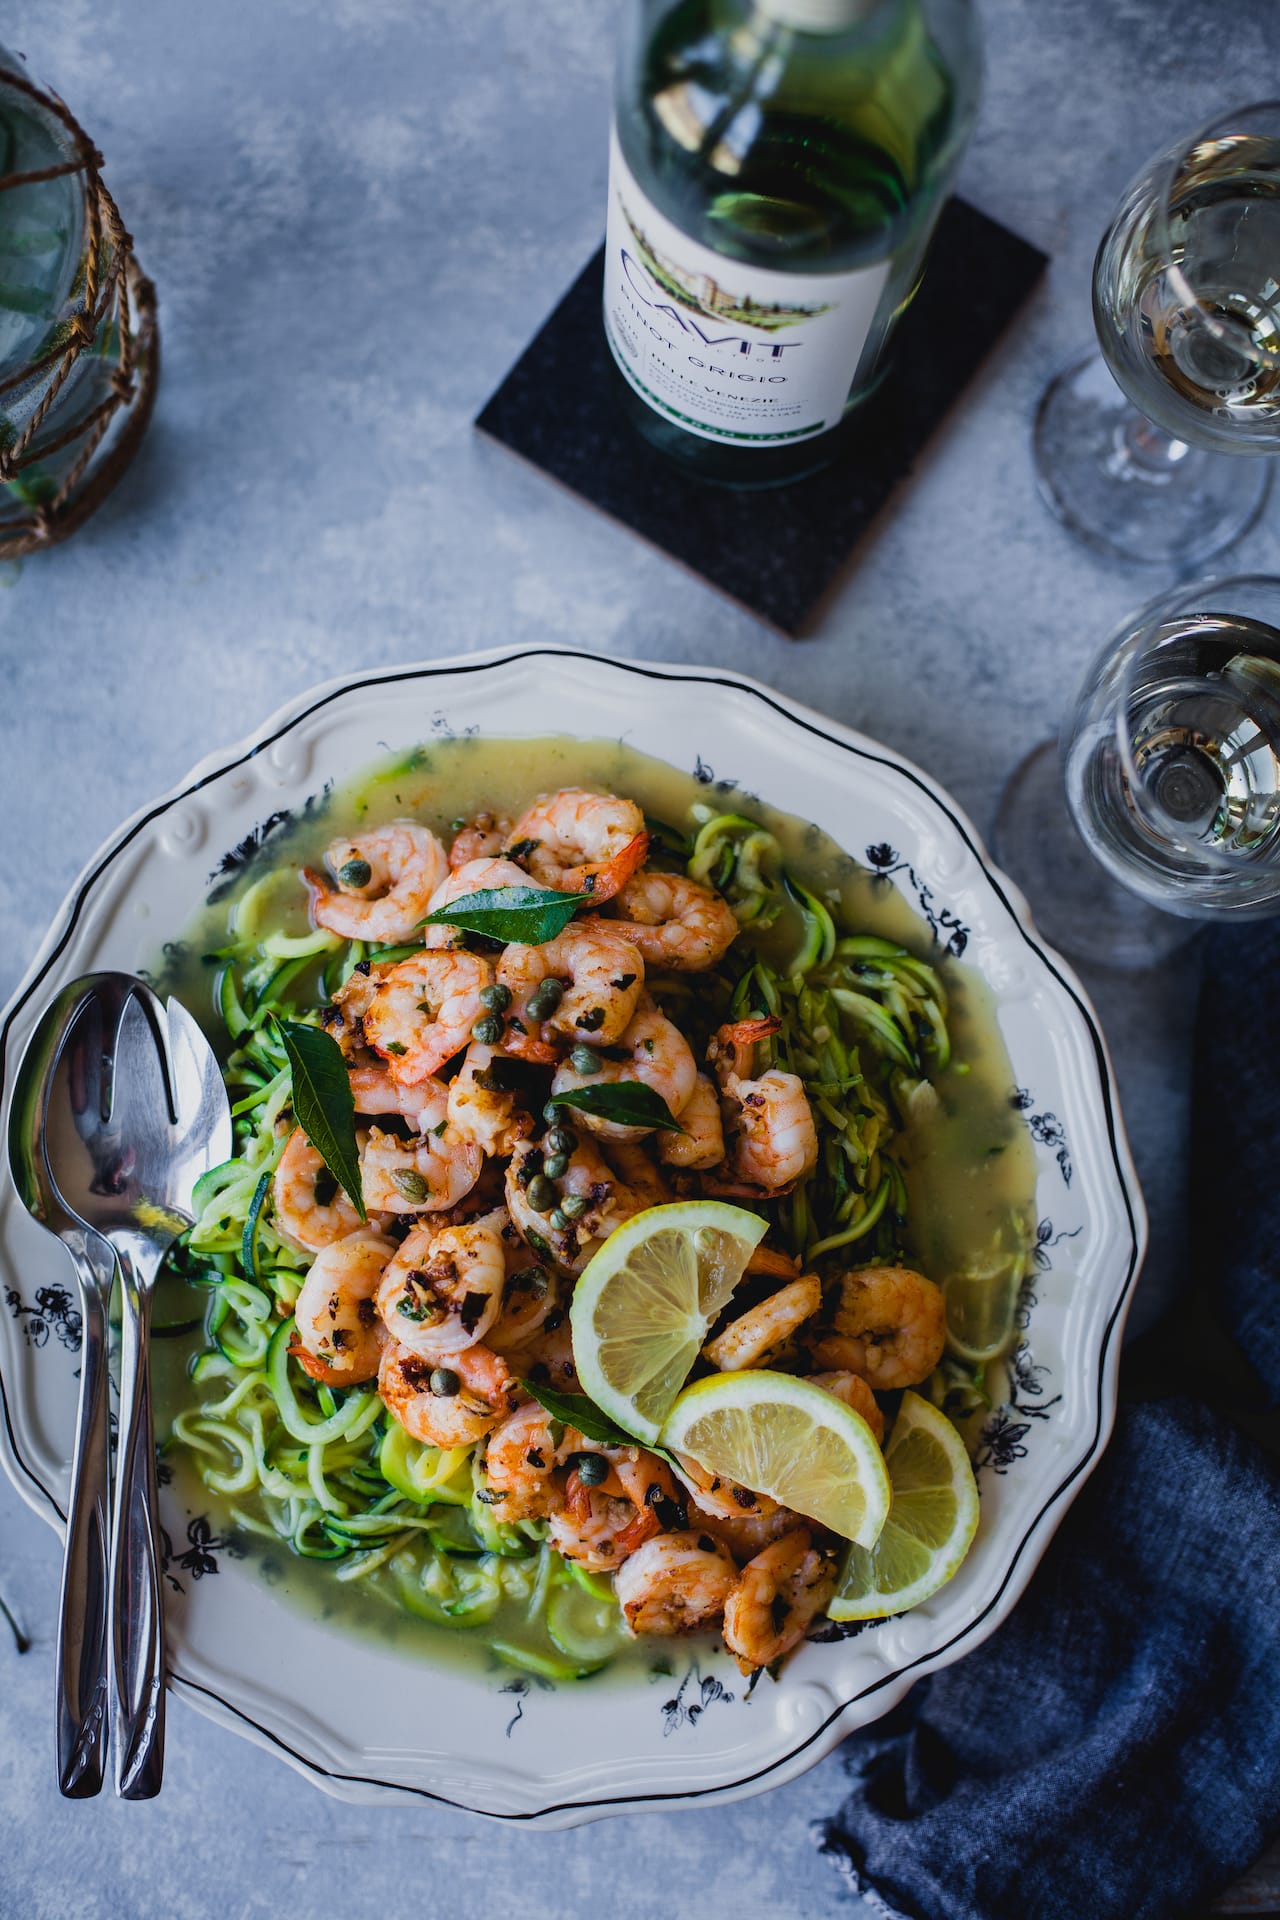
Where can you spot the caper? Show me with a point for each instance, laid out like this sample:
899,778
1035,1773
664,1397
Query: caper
584,1060
591,1468
556,1165
497,997
542,1194
551,1113
488,1030
559,1139
411,1184
546,997
444,1382
575,1205
355,872
558,1219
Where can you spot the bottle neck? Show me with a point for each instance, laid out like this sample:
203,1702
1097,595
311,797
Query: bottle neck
818,16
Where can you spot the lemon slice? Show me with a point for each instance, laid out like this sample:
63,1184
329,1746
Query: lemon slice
981,1301
931,1523
789,1439
645,1300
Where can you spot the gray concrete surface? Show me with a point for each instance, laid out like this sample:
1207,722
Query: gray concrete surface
356,212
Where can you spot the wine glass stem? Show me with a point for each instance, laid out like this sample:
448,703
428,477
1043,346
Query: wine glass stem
1145,445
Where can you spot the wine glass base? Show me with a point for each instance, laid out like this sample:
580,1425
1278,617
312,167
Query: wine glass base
1076,904
1126,488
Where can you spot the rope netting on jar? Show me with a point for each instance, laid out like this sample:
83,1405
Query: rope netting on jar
111,314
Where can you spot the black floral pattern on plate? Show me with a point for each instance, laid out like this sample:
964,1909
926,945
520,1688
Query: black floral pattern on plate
520,1687
696,1692
1004,1436
200,1556
1046,1130
949,931
54,1312
233,864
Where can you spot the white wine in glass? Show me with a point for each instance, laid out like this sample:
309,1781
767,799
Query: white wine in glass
1186,297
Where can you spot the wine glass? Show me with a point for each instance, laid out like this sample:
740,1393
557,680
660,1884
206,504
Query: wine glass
1170,761
1186,304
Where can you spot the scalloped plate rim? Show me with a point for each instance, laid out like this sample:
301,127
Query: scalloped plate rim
894,1684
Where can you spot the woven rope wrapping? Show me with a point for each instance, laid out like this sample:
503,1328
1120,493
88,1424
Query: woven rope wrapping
114,292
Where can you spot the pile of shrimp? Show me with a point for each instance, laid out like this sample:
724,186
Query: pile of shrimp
484,1203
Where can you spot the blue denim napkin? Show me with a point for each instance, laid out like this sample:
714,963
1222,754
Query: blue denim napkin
1113,1752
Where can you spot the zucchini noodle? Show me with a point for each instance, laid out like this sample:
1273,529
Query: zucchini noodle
327,1471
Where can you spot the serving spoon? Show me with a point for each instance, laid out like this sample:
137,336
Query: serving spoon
81,1680
125,1155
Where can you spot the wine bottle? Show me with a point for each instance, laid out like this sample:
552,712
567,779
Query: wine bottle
776,170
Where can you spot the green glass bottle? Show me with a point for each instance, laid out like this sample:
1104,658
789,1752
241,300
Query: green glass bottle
776,170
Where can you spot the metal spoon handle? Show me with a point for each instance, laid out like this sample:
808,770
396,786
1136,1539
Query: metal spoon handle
137,1608
82,1604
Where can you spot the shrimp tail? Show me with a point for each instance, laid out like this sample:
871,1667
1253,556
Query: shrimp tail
745,1033
768,1260
602,883
318,1369
318,887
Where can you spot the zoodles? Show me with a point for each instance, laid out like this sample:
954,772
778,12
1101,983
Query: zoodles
327,1463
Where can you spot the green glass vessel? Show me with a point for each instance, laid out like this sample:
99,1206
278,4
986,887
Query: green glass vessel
777,169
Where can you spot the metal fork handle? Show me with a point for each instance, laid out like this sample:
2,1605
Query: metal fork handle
82,1717
137,1605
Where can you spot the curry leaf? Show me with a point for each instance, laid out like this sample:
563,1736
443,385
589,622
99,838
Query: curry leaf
529,915
585,1417
629,1103
576,1410
323,1103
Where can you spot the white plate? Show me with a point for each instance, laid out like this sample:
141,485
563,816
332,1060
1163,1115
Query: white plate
381,1728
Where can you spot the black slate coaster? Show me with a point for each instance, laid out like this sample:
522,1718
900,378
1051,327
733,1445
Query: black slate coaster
776,550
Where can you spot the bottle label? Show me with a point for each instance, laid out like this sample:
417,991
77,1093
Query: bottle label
728,351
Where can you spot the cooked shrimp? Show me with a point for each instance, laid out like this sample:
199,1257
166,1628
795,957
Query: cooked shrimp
423,1011
675,922
892,1325
598,1530
480,839
430,1173
580,842
337,1322
443,1290
472,876
519,1461
483,1113
530,1298
547,1355
374,1091
776,1596
673,1583
355,996
630,1160
772,1139
583,985
657,1056
702,1142
310,1207
854,1391
473,1392
749,1340
598,1201
721,1499
747,1534
385,880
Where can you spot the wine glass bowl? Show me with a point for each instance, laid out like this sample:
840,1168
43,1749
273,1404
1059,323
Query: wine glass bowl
1172,755
1186,303
1186,286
